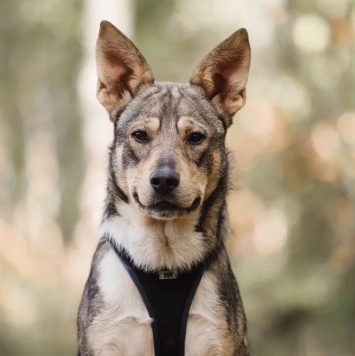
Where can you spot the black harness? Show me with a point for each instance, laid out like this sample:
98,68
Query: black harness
167,296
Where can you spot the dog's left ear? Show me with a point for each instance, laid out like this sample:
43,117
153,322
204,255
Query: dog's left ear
121,68
223,74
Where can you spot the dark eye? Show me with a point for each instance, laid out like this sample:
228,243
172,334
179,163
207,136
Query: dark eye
140,136
196,138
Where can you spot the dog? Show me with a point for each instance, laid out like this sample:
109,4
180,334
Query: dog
161,281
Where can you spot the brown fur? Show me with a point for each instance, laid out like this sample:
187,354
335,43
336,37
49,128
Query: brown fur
192,225
224,72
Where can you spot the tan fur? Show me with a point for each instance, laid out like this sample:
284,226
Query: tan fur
187,125
166,200
121,68
207,329
172,244
125,320
194,182
223,74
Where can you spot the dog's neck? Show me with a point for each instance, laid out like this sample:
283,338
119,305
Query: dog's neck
177,244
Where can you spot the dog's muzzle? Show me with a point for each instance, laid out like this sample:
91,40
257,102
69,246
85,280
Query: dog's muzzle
163,203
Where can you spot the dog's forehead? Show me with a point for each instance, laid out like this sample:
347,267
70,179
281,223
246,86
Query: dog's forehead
170,101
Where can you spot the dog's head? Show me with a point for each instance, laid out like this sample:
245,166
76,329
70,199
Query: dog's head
168,153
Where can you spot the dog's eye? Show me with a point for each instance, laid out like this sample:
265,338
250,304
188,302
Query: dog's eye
196,138
140,136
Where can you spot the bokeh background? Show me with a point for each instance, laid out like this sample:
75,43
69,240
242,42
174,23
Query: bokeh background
292,208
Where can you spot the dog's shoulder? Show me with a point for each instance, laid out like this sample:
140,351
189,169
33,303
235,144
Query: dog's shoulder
111,303
91,299
91,296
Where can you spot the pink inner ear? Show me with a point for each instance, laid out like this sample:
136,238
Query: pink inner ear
118,77
234,81
115,72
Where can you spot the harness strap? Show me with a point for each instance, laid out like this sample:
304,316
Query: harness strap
145,298
185,314
149,286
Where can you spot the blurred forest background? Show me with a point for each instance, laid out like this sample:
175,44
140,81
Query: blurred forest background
292,209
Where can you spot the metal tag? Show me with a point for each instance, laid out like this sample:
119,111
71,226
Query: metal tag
168,274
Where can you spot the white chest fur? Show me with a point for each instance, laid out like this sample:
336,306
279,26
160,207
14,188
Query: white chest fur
154,243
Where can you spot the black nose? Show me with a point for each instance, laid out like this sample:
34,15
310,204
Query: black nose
164,180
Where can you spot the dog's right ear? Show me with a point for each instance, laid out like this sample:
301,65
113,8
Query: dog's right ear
121,68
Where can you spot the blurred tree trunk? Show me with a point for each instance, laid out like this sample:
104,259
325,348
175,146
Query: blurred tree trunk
98,129
40,132
41,162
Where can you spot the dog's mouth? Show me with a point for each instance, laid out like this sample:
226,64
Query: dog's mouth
165,207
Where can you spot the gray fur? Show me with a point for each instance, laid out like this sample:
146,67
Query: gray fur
170,104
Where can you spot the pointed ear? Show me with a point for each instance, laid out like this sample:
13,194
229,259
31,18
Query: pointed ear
223,74
121,68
